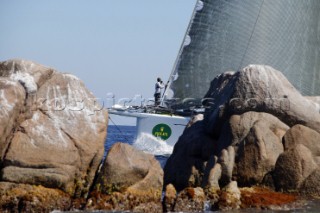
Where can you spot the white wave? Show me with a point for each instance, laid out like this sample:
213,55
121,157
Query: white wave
152,145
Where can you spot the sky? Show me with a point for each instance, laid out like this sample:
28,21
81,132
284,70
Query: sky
113,46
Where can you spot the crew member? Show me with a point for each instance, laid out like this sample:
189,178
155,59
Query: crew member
157,94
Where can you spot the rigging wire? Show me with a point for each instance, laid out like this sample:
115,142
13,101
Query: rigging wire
174,68
127,140
253,29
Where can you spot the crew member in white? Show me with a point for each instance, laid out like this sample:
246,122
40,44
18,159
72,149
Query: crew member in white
157,94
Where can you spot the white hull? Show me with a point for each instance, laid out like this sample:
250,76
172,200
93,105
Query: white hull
166,128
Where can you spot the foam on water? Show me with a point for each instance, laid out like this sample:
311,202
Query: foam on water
150,144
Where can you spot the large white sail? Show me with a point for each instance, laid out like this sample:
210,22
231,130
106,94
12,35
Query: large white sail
226,35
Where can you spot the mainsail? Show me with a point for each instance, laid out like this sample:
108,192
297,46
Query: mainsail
226,35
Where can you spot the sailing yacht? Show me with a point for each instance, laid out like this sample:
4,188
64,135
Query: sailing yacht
228,35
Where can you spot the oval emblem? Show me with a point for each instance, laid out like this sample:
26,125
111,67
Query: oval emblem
162,131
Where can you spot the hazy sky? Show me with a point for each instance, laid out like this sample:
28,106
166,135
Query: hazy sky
118,46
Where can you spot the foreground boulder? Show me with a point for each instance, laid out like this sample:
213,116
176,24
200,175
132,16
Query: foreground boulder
52,129
257,130
128,180
128,169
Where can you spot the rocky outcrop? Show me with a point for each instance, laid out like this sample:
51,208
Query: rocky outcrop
31,198
264,198
122,202
250,137
292,167
310,185
257,130
52,135
258,88
169,198
127,169
299,160
257,138
299,134
188,200
229,197
52,130
12,97
129,180
190,153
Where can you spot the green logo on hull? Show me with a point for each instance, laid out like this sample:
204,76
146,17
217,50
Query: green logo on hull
162,131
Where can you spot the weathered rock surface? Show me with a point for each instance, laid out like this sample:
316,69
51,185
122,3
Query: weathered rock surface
292,167
52,130
264,198
214,172
169,199
127,169
299,160
258,88
186,166
258,141
310,186
122,202
12,97
247,151
27,198
299,134
227,161
230,197
257,130
190,200
129,180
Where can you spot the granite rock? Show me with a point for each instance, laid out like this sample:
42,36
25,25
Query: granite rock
53,130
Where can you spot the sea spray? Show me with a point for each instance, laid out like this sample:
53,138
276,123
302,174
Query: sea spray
152,145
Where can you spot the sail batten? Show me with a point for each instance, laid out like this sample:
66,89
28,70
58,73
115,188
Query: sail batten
226,35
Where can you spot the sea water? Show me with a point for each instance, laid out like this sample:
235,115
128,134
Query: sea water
124,134
127,134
